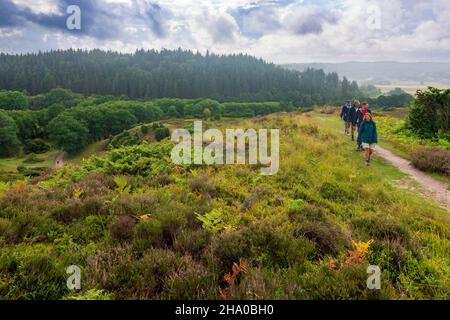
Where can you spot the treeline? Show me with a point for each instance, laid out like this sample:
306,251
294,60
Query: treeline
391,101
171,74
71,122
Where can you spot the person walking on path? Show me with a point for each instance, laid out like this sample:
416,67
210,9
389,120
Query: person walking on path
368,136
344,115
351,117
360,114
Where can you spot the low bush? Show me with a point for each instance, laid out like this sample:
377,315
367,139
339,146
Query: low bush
162,133
328,236
126,138
32,158
32,171
147,234
173,218
37,277
35,146
258,244
193,242
202,184
122,229
432,160
145,129
335,192
381,229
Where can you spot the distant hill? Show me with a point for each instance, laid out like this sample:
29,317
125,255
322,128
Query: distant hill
385,73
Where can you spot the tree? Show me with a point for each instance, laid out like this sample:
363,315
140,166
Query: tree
68,133
206,114
161,133
172,112
13,100
9,143
62,96
430,112
54,110
163,74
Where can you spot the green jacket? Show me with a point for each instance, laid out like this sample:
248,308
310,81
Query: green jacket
368,132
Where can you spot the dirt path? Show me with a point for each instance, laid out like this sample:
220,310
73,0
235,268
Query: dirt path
428,185
59,161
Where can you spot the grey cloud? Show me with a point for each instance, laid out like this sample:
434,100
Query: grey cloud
99,19
310,21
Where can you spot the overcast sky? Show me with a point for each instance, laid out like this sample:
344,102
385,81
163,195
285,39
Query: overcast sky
282,31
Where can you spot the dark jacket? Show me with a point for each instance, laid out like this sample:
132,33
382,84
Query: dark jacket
367,132
359,116
351,116
344,112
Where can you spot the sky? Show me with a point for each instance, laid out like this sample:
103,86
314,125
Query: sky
280,31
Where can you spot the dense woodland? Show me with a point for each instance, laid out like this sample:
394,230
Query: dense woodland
70,121
107,92
170,74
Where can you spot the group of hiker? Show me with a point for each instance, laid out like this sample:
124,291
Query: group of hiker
358,117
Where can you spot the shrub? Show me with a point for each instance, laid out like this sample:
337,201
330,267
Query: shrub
429,112
172,219
147,234
145,129
202,184
327,235
163,180
32,226
162,133
257,195
190,282
6,227
325,284
335,192
35,146
122,229
193,242
133,205
391,256
381,229
94,184
259,244
87,230
118,270
76,209
432,160
124,139
38,278
32,171
32,158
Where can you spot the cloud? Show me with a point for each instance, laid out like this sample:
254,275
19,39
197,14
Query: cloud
309,20
100,19
256,20
282,31
221,27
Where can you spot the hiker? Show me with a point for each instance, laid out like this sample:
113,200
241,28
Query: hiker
351,117
344,115
368,136
360,114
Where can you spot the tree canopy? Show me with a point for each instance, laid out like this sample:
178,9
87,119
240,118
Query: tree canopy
166,74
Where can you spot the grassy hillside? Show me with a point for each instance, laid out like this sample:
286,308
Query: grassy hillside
142,228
